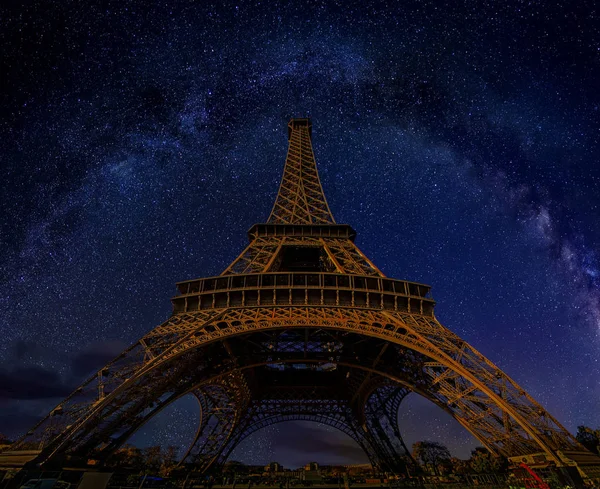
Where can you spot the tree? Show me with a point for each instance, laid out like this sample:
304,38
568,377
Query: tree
126,456
152,459
233,467
589,438
431,454
445,466
483,462
4,439
460,466
169,461
4,442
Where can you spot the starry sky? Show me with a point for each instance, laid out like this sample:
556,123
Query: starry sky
139,143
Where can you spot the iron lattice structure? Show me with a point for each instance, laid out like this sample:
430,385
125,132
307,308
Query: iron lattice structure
301,326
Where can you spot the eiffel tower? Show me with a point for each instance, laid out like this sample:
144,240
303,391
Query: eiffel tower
301,326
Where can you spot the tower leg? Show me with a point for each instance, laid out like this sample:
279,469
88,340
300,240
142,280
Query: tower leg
381,420
223,404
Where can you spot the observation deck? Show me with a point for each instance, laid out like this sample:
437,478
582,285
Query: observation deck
303,289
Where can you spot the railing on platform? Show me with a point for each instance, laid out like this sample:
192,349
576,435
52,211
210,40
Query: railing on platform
296,289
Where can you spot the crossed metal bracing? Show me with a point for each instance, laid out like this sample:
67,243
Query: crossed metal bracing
293,403
338,255
222,405
300,199
408,350
301,326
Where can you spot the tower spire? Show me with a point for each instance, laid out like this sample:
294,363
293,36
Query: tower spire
300,199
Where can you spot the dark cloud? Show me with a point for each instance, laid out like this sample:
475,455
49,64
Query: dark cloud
307,437
20,381
23,349
31,383
14,421
94,357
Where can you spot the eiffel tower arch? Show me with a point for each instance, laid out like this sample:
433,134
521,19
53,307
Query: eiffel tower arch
301,326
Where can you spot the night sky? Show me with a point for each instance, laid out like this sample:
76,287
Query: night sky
138,144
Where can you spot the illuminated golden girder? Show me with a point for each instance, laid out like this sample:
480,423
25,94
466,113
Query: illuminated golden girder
452,374
301,304
300,199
